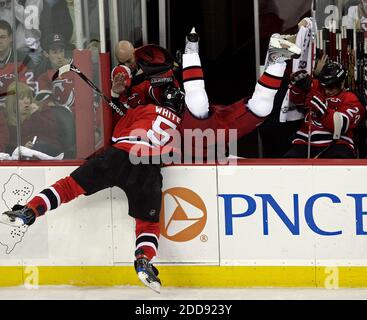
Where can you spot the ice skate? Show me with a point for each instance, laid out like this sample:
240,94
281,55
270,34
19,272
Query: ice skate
146,272
18,216
192,42
282,49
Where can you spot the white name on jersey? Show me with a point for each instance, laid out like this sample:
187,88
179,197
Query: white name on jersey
168,114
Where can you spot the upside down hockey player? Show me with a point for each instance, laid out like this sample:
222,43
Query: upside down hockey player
244,115
137,134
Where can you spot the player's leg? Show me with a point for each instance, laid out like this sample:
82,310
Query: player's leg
193,78
147,237
64,190
92,176
280,50
144,193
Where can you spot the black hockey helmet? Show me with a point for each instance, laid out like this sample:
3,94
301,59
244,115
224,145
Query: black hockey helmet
332,74
173,98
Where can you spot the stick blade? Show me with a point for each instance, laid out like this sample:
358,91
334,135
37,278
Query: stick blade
65,68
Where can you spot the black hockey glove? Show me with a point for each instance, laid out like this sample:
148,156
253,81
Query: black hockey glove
301,80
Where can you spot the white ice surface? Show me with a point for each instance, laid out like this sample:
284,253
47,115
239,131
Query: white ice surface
142,293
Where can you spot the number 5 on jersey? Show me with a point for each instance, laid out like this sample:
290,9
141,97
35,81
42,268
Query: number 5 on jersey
157,130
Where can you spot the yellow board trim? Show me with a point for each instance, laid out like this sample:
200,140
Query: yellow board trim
190,276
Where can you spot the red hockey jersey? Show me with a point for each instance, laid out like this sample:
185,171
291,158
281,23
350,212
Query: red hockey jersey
60,91
236,116
7,76
321,128
148,130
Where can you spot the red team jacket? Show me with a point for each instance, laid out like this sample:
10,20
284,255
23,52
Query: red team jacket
322,128
42,124
7,76
147,131
60,91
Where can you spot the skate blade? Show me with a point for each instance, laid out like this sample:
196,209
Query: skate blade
155,286
279,43
5,219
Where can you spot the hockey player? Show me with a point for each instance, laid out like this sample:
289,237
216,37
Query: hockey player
141,133
151,67
244,115
333,114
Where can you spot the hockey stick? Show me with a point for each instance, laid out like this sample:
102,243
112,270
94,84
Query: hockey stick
71,67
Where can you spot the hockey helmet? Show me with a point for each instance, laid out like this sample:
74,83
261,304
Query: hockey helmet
173,98
332,74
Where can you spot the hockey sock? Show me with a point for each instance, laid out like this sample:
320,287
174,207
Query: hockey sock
266,88
62,191
193,80
147,236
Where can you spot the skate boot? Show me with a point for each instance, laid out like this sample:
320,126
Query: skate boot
192,42
18,216
147,273
281,49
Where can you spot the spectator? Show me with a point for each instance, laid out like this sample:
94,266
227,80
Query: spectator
8,65
34,121
28,34
55,18
333,114
61,91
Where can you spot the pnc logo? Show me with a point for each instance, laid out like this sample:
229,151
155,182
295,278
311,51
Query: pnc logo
183,215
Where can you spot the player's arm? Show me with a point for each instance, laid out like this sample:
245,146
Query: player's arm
346,117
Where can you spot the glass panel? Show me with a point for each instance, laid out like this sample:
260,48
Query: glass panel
279,16
130,21
8,107
61,118
342,27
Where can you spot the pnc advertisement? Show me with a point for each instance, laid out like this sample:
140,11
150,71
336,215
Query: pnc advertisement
293,215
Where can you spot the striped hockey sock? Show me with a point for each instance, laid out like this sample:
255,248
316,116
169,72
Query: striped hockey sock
147,237
62,191
262,100
193,81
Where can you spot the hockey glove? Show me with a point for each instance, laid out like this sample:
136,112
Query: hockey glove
301,80
317,104
300,85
